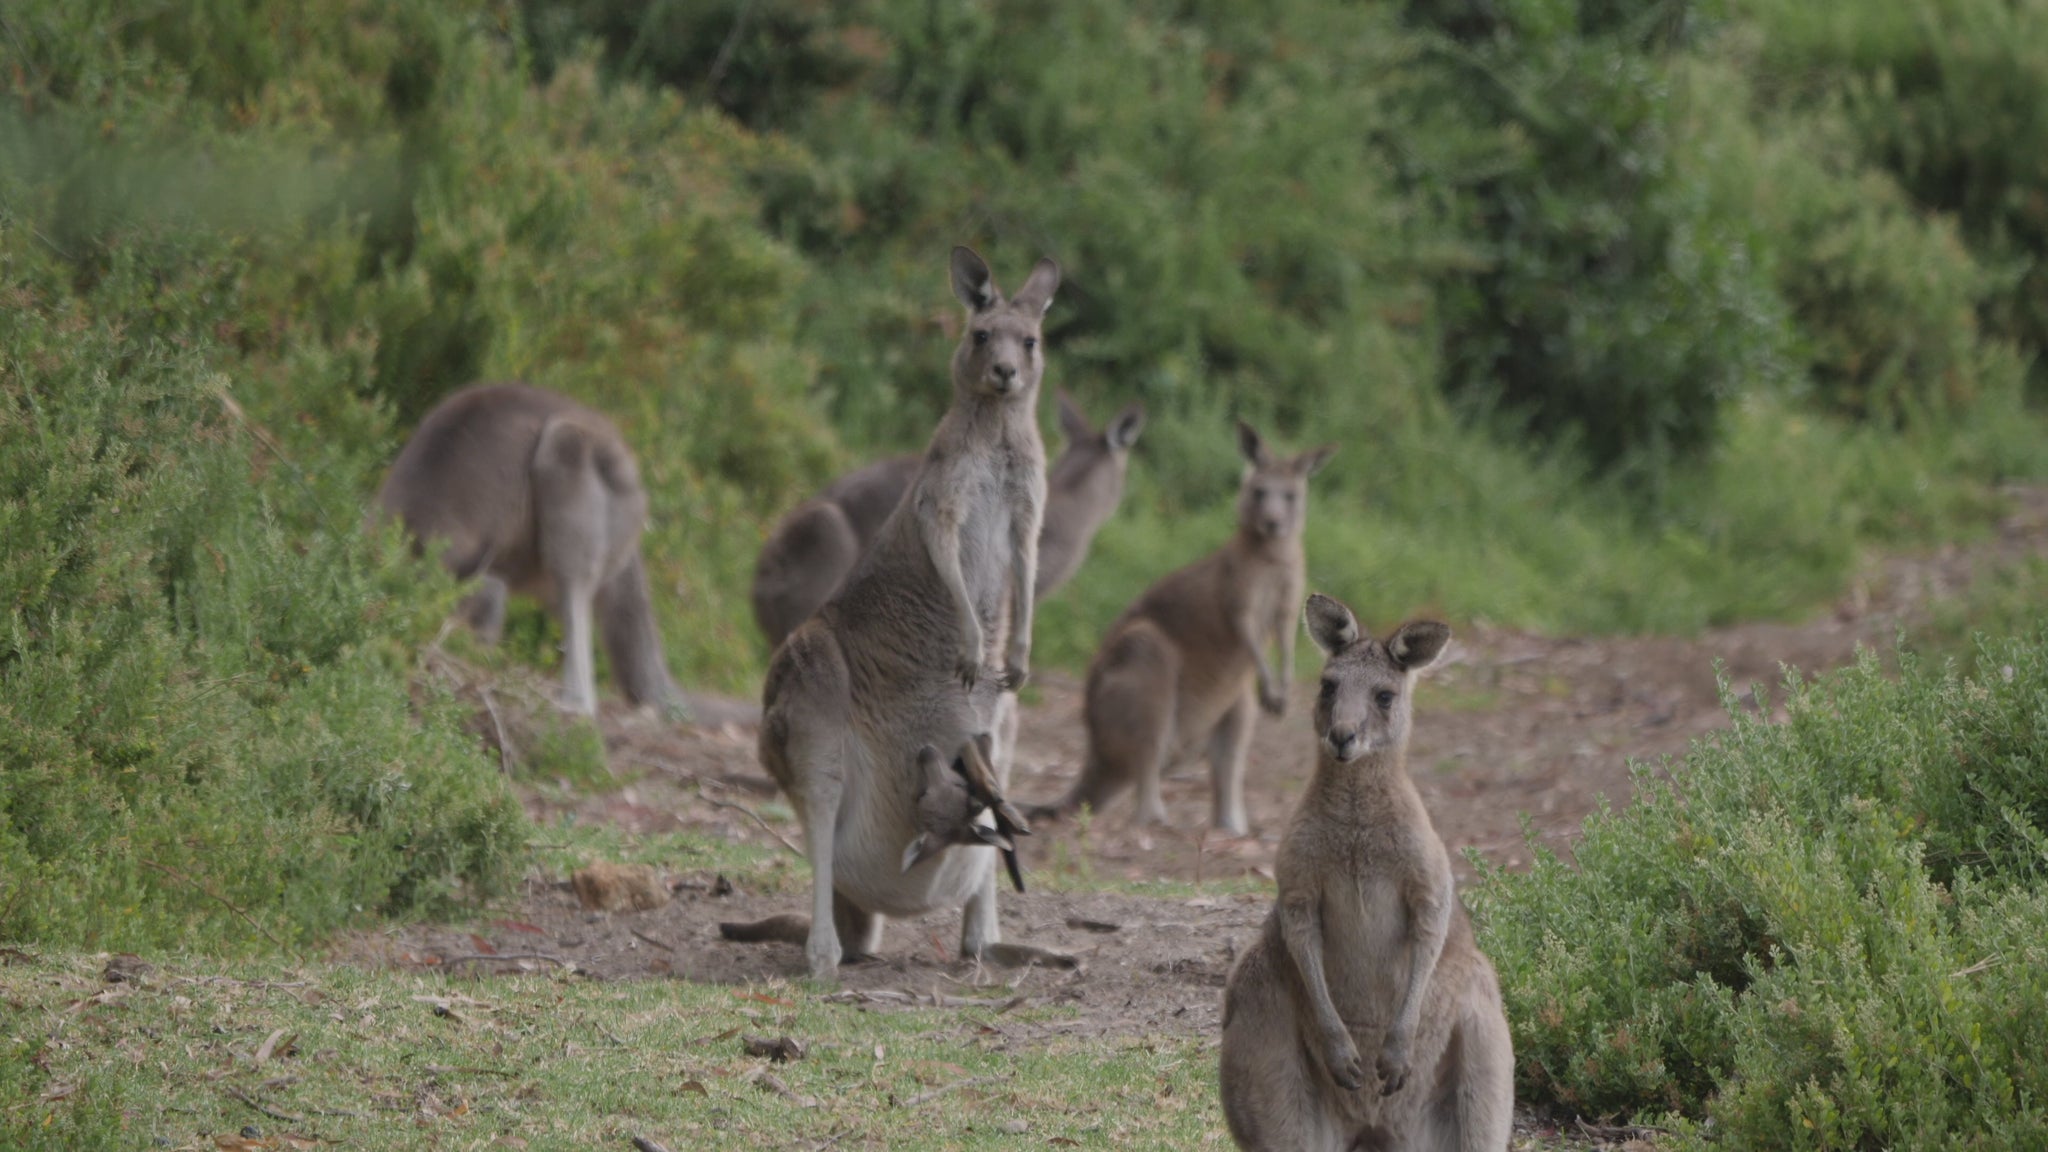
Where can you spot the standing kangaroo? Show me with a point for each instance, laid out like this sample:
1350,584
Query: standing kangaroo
899,658
1186,663
1367,949
533,493
815,547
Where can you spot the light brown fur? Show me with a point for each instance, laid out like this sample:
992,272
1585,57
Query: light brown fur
1365,1015
531,492
814,548
1186,665
899,658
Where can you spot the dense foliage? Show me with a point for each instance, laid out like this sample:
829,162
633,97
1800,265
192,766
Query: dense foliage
1623,320
1830,932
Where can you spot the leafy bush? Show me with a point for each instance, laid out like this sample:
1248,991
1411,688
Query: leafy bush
1952,97
205,726
1821,933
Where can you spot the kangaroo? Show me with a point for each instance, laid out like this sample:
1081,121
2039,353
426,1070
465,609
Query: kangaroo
1186,663
811,552
951,805
531,492
899,657
1367,949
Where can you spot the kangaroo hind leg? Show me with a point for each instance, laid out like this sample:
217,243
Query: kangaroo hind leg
571,505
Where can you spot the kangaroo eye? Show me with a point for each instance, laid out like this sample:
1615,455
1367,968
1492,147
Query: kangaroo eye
1030,342
981,335
1329,689
1384,698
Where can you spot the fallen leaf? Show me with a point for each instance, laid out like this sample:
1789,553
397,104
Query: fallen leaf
1062,1140
696,1086
483,946
272,1046
60,1091
781,1049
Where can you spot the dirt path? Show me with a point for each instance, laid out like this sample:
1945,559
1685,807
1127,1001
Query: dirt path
1514,724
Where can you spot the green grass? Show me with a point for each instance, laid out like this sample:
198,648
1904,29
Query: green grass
376,1060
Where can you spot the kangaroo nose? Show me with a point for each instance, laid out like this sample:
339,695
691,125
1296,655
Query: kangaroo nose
1342,741
1004,372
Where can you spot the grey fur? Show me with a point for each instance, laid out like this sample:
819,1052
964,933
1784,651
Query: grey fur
899,657
531,492
1368,954
815,547
1185,666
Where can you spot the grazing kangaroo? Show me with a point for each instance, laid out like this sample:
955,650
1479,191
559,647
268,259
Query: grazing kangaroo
815,547
1186,663
898,659
1367,949
533,493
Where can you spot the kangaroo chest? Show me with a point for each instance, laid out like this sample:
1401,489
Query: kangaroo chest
1365,953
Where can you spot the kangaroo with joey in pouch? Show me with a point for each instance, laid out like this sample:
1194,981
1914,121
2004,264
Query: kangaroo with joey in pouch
533,493
901,656
1364,1015
1186,666
815,547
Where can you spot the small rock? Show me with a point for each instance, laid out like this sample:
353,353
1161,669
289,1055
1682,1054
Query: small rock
1015,1127
127,967
611,887
781,1049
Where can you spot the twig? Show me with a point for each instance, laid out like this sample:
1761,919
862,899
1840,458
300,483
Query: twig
263,437
1984,965
653,941
725,50
482,956
258,1105
174,874
505,758
742,809
941,1090
1617,1131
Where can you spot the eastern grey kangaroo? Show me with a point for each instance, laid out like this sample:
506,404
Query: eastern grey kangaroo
813,549
899,658
1365,1016
1185,665
531,492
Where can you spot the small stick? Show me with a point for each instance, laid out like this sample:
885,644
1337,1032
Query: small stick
480,956
941,1090
715,802
174,874
252,1102
505,757
653,941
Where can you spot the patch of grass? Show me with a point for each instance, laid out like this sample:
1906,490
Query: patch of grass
2006,600
381,1060
558,851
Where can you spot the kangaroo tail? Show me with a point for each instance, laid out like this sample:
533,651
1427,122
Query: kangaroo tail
784,929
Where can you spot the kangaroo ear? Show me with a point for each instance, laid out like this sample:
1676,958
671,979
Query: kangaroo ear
993,837
1311,462
1036,294
1417,644
1330,624
972,281
1073,425
1123,431
1251,447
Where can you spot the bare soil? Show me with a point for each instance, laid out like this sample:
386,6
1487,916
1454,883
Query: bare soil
1514,726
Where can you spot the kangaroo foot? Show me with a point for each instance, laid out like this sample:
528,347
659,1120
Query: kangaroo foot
1024,955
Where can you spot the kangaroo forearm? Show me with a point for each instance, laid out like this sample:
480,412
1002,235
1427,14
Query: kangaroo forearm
943,543
1303,933
1431,927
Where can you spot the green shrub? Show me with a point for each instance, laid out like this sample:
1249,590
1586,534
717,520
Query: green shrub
1821,933
1952,97
205,726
